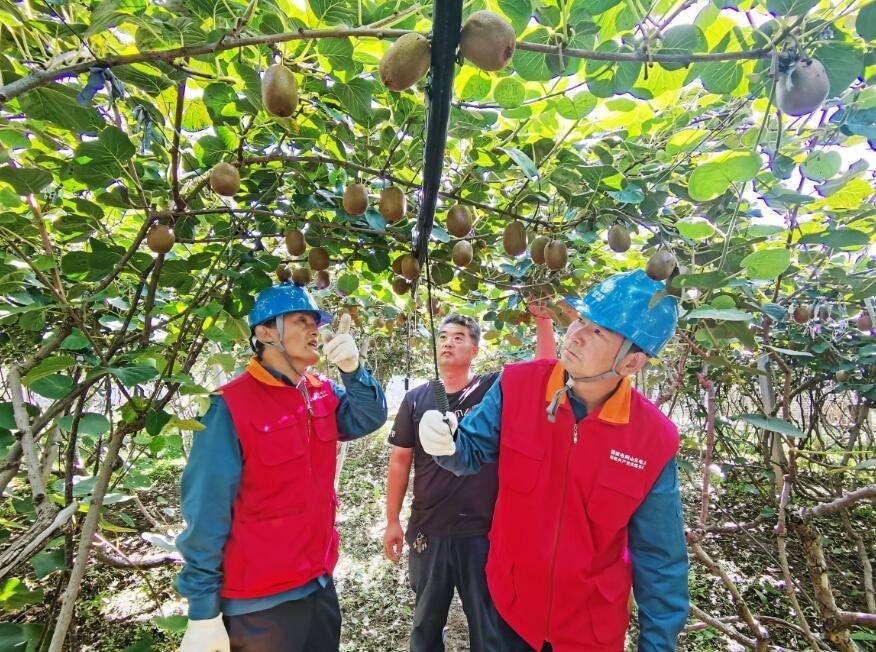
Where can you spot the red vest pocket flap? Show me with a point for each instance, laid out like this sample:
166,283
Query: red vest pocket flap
277,443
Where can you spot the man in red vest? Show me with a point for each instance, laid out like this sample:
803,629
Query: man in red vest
258,493
588,504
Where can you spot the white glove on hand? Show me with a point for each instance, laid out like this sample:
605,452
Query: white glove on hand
436,436
341,350
206,636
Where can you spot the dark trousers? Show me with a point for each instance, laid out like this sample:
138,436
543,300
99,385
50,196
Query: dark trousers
311,624
511,641
444,564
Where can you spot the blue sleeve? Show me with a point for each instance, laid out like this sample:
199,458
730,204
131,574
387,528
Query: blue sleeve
477,439
362,408
659,554
209,487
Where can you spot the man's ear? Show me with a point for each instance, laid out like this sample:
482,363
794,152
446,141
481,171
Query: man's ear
264,334
632,363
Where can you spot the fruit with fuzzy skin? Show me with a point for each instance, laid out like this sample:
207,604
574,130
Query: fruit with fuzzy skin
393,204
556,255
323,280
355,199
865,323
283,272
279,91
318,259
295,244
802,314
301,276
160,238
618,238
536,249
660,265
410,267
406,62
841,376
459,221
803,89
462,253
487,40
400,285
514,238
225,179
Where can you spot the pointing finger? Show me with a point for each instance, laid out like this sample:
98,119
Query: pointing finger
326,335
344,323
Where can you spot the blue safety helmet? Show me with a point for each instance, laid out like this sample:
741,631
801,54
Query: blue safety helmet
621,303
283,298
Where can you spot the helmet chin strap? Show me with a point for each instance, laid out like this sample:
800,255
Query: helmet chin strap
606,375
280,347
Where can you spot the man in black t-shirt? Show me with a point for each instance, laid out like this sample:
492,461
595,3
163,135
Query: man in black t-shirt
450,515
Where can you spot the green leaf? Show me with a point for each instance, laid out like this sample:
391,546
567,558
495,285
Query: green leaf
347,283
129,376
55,386
26,181
865,23
682,39
90,423
720,314
338,52
98,162
522,160
156,420
47,562
711,179
766,264
707,280
176,624
631,194
790,7
332,12
477,87
57,104
48,367
820,166
837,238
695,228
844,62
14,595
533,66
355,97
518,13
576,106
771,424
509,92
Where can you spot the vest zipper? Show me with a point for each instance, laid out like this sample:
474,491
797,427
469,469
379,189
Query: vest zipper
557,537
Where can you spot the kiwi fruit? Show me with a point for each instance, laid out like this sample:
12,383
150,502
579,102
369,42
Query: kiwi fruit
556,255
462,253
802,314
406,62
279,91
618,238
487,40
396,264
400,285
355,199
514,238
660,265
459,221
393,203
410,267
283,272
323,280
225,179
301,276
295,244
536,249
318,259
841,376
160,238
865,322
803,89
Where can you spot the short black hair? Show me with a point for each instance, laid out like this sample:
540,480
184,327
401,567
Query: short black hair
461,320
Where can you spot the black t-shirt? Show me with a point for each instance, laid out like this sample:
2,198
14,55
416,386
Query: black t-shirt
445,504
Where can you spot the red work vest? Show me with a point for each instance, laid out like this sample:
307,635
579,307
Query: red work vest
283,520
559,568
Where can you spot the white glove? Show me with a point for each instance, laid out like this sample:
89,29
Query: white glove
341,350
206,636
436,436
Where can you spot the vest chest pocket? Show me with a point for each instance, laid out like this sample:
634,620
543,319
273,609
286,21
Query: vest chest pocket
616,495
520,460
324,421
279,442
